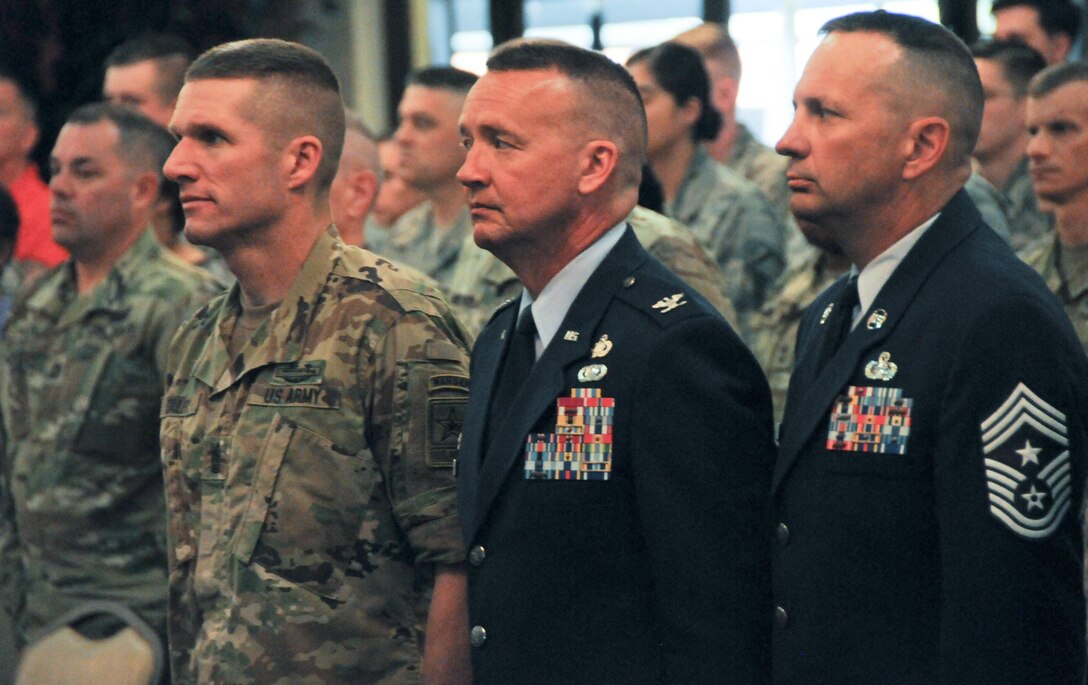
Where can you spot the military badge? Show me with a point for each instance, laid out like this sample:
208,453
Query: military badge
827,313
869,419
592,373
667,304
601,348
581,446
300,373
876,319
1025,451
882,368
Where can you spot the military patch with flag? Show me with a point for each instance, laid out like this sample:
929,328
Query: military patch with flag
581,446
1028,472
870,419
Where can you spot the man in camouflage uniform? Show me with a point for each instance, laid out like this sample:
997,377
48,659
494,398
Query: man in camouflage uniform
312,413
1005,69
481,283
429,236
81,374
1057,116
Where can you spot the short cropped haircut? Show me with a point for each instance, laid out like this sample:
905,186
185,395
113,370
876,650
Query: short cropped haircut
142,144
9,219
679,71
299,93
610,104
1055,16
934,59
1054,77
1018,62
715,44
444,77
26,102
354,122
170,53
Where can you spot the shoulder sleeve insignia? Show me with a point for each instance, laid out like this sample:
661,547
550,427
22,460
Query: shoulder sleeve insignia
667,304
1028,472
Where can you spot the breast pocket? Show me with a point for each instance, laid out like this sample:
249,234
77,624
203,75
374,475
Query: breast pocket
308,503
121,421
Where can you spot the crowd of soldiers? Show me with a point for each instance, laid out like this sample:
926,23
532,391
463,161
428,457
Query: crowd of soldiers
569,379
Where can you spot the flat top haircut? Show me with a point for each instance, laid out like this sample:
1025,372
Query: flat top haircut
611,106
715,44
1055,16
300,94
9,219
171,55
142,144
444,77
1018,62
1054,77
679,70
934,62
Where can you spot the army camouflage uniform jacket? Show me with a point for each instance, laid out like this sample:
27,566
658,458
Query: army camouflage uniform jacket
81,377
1068,283
481,283
735,225
416,241
309,481
1028,223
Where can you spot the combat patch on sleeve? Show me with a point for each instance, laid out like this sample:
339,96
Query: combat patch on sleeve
1025,452
446,399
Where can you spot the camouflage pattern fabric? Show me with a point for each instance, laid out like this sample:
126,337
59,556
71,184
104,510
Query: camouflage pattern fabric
81,376
309,480
416,241
1068,281
772,332
1028,223
990,204
481,283
736,226
763,166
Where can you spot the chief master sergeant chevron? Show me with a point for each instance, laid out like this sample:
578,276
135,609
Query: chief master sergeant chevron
311,414
617,445
931,466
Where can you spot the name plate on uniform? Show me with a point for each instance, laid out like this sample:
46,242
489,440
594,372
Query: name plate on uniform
581,446
870,419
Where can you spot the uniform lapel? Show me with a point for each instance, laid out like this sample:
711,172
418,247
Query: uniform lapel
547,380
809,403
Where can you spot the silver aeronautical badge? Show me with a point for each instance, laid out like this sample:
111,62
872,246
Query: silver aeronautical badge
876,319
881,369
601,348
592,373
826,314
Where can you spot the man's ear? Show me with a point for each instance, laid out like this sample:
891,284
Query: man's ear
145,190
363,185
926,142
303,157
599,160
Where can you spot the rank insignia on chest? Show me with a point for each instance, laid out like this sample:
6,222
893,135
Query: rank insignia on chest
869,419
581,446
1025,451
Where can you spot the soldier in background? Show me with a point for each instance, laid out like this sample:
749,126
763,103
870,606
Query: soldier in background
357,182
395,197
312,412
726,212
1005,69
429,236
9,231
1057,121
81,374
1049,26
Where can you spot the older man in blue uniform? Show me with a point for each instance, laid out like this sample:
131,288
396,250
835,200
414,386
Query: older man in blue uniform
931,465
617,444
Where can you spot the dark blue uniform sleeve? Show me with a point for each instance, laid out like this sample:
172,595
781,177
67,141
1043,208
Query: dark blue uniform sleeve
1009,476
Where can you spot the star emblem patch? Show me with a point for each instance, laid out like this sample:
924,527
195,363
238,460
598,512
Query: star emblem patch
1026,456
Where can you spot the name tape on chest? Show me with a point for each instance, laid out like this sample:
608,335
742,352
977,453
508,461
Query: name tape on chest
581,446
870,419
1025,450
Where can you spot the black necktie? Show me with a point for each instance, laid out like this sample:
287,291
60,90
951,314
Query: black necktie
838,323
520,357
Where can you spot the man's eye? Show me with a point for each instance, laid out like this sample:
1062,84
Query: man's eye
466,143
501,144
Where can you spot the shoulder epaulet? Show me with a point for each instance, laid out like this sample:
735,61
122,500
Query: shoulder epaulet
663,298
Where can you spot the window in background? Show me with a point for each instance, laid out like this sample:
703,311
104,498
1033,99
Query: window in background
775,38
